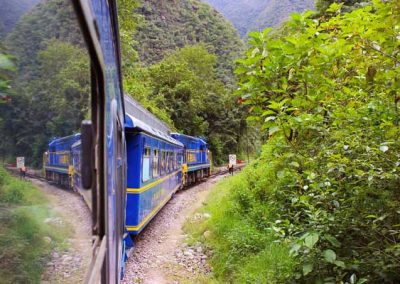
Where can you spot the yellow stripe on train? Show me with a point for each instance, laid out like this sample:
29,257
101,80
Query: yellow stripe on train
151,214
150,185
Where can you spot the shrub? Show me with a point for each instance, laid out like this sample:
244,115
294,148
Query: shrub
326,92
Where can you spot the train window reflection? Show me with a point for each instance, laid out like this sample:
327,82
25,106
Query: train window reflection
44,96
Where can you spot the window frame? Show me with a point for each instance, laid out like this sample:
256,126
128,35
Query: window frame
148,156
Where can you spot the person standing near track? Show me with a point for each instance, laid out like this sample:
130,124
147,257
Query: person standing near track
22,172
230,168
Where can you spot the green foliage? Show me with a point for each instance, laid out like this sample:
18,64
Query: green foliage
169,25
186,87
23,210
180,86
128,21
242,251
52,78
183,86
7,69
57,98
326,185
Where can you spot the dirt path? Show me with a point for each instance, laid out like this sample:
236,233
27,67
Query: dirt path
161,255
68,265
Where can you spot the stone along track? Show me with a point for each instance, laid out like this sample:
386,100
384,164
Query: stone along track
160,254
67,264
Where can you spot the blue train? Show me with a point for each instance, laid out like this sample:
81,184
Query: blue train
197,158
158,165
125,162
57,160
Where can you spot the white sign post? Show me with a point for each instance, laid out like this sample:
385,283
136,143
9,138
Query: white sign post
20,162
232,159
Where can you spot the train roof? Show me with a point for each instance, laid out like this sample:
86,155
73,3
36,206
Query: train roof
135,109
188,137
65,140
76,144
132,123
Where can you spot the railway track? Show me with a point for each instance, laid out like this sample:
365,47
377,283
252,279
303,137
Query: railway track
238,167
35,175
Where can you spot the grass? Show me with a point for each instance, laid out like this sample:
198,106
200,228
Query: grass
241,252
26,240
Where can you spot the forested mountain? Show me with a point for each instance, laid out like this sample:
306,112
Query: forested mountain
186,55
11,11
50,86
178,64
170,24
252,15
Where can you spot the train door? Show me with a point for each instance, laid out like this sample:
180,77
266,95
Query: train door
103,139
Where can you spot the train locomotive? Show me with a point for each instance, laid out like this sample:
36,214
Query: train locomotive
159,163
58,166
197,158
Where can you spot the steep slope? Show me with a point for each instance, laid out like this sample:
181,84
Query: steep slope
171,24
11,11
248,15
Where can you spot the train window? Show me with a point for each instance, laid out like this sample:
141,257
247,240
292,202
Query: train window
146,170
163,162
176,160
191,156
156,169
167,161
171,162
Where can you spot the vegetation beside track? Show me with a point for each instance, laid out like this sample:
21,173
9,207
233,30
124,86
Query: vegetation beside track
241,252
26,235
321,204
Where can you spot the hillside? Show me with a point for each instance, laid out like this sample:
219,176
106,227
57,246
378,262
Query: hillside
249,15
47,47
170,24
52,74
11,11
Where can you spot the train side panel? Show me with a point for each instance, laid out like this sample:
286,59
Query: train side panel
154,175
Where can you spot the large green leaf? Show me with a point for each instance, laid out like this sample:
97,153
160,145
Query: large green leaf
311,239
329,255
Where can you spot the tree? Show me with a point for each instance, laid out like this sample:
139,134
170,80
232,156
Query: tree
57,97
326,92
185,85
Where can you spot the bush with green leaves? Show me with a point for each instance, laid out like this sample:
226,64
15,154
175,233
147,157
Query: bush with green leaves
327,93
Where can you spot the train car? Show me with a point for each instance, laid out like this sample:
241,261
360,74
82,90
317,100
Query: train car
57,160
196,164
154,173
